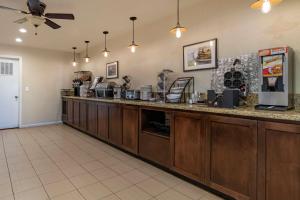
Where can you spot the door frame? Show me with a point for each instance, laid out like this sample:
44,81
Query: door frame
19,59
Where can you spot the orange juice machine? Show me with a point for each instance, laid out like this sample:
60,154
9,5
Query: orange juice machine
276,79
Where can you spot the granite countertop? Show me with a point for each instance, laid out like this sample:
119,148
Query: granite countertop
242,111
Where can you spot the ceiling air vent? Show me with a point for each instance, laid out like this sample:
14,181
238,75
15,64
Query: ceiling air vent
6,69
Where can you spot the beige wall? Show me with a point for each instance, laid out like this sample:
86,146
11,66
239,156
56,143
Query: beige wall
239,30
45,73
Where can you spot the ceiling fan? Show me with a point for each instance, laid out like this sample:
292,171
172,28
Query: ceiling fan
36,15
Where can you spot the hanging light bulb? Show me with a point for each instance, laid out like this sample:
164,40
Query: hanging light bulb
87,58
105,51
178,29
74,63
133,45
265,5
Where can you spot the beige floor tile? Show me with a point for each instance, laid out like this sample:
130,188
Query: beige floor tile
45,168
135,176
168,179
190,190
95,191
117,184
52,177
152,186
59,188
93,166
4,178
22,174
26,184
104,173
74,171
83,180
150,170
111,197
5,190
121,168
70,196
10,197
35,194
109,161
172,195
133,193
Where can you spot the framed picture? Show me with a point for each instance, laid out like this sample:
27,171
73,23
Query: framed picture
112,70
199,56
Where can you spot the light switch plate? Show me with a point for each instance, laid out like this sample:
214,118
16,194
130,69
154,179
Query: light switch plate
27,89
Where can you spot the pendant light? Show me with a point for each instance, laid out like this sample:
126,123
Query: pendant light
87,58
74,63
105,51
178,29
133,45
265,5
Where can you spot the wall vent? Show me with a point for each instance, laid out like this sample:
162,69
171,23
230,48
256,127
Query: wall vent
6,69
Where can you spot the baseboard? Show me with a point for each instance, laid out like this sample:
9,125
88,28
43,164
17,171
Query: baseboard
40,124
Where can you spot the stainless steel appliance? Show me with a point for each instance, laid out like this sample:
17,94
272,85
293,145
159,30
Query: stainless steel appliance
105,90
146,92
117,92
276,78
133,94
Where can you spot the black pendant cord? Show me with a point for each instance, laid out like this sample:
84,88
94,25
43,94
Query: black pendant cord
74,54
178,12
133,32
105,43
105,39
133,28
87,49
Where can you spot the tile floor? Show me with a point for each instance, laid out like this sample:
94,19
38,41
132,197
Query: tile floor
60,163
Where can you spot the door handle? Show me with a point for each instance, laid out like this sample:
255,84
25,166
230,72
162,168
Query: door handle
16,97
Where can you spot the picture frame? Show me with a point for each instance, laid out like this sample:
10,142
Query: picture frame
200,56
112,70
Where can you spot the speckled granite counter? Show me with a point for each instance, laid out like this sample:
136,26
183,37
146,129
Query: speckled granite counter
292,115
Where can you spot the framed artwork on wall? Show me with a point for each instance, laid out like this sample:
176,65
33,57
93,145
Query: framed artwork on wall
112,70
200,56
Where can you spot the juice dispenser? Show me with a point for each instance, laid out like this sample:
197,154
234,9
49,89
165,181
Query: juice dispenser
276,79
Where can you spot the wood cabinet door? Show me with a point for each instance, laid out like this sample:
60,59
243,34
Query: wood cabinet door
92,118
64,110
232,156
76,113
103,121
130,128
189,145
83,116
70,111
279,166
115,124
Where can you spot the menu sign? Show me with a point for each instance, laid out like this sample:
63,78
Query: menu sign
272,66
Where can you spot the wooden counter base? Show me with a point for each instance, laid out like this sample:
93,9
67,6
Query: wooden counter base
245,158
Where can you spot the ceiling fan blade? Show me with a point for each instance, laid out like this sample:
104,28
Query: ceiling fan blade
34,4
60,16
21,21
51,24
13,9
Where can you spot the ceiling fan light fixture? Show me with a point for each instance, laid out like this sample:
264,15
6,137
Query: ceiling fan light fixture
87,59
265,5
133,46
23,30
19,40
178,29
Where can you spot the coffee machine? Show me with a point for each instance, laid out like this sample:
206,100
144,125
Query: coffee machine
276,79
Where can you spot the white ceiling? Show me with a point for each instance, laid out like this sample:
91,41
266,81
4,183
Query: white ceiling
92,17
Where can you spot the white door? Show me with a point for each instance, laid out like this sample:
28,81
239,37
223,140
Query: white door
9,93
